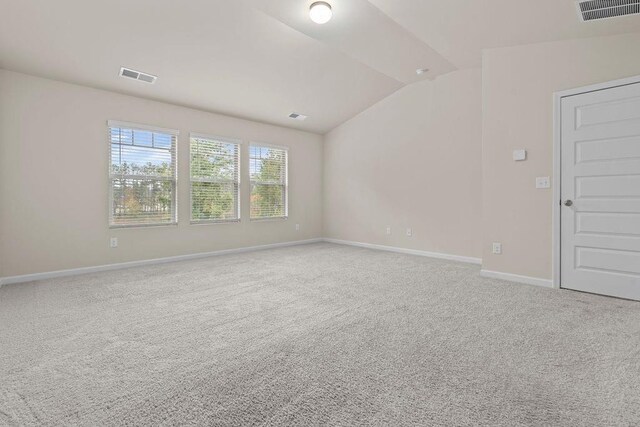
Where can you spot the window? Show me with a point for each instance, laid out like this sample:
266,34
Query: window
142,175
268,171
215,179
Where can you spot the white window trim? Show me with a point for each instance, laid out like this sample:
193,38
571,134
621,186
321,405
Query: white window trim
215,137
268,145
286,181
240,144
137,126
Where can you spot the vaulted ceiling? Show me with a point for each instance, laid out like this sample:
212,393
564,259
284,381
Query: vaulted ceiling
460,29
263,59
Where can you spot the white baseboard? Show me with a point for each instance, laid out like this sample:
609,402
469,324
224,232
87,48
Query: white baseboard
118,266
95,269
450,257
535,281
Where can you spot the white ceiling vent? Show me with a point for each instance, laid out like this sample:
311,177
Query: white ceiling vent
591,10
296,116
137,75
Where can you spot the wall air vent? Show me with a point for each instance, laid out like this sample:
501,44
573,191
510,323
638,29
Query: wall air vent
138,75
296,116
592,10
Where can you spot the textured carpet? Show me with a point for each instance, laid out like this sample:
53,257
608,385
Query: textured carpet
319,334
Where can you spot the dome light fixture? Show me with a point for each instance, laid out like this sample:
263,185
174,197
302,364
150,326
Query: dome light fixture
320,12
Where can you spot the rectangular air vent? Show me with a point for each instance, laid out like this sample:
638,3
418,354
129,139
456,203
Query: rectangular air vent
296,116
591,10
137,75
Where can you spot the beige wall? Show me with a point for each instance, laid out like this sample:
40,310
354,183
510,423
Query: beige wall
412,160
518,86
54,179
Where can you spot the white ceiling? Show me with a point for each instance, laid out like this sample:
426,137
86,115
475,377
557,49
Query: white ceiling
215,55
263,59
460,29
362,32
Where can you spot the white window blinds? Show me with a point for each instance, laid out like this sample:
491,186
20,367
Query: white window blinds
142,175
268,172
215,179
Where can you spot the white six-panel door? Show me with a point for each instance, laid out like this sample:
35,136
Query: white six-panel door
600,190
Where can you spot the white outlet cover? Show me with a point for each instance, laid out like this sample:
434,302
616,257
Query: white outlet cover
297,227
497,248
388,230
543,182
409,232
113,242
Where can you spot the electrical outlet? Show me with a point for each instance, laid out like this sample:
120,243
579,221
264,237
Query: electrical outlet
113,242
388,230
409,232
497,248
297,227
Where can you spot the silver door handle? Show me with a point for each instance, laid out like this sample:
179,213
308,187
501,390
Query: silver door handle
568,203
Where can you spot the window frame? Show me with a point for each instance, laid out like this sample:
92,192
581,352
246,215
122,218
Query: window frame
286,149
238,180
174,199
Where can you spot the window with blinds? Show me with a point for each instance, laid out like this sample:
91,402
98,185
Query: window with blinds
268,172
215,179
142,175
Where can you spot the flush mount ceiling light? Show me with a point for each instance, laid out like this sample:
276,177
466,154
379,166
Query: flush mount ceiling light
320,12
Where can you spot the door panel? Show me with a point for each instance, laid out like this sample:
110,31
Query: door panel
608,186
608,223
612,260
608,149
608,112
600,230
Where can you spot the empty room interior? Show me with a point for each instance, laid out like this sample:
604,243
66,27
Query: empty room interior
320,213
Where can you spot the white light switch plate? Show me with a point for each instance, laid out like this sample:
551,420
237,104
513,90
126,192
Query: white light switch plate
543,182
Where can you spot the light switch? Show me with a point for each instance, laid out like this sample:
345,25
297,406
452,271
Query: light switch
519,155
543,182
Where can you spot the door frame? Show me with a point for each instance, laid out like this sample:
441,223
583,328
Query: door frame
557,162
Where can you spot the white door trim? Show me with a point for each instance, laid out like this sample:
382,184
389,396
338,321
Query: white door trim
557,169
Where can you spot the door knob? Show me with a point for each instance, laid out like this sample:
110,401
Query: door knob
568,203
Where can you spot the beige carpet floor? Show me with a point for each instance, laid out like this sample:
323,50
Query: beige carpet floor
318,334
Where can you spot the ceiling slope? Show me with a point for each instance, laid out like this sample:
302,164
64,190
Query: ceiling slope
363,32
214,55
264,59
460,29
